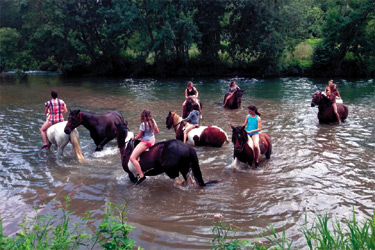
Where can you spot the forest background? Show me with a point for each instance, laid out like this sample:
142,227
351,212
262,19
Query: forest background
189,37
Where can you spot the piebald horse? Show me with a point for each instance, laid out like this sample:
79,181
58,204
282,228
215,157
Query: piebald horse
202,136
244,149
56,136
171,157
326,113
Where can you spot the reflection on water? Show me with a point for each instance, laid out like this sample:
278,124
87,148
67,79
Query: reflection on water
314,167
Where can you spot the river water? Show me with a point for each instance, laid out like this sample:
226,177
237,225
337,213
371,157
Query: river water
313,168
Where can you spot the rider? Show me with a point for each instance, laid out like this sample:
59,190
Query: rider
55,108
327,89
193,119
253,124
147,131
233,87
192,92
331,94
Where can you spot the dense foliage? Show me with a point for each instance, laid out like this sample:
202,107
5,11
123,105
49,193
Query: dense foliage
188,37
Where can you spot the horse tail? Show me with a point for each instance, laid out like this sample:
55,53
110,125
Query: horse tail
197,171
74,140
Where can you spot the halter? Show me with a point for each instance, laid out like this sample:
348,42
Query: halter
80,121
241,146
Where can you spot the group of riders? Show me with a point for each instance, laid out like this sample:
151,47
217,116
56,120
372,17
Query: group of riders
55,108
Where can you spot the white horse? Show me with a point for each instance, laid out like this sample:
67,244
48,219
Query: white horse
57,136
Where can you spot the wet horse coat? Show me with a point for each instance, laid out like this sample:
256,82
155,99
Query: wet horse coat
56,136
171,157
243,146
235,100
326,113
201,136
189,106
102,127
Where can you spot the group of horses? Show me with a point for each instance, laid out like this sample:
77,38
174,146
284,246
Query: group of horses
172,157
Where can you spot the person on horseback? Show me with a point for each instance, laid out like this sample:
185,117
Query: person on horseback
253,124
193,119
147,131
55,108
327,89
233,87
191,92
331,94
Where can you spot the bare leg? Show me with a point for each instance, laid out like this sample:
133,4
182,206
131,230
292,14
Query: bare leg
256,148
190,127
334,105
43,132
141,147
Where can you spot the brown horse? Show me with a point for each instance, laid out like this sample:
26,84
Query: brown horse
102,127
171,157
234,102
243,146
189,106
326,113
202,136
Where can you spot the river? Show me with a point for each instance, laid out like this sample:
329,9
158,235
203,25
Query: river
313,168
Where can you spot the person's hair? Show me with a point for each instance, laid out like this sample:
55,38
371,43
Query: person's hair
253,108
54,94
195,106
333,88
232,83
147,119
189,83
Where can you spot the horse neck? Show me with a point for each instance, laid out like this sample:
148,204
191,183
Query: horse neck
176,120
87,120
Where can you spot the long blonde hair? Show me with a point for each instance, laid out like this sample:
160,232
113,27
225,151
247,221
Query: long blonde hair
146,118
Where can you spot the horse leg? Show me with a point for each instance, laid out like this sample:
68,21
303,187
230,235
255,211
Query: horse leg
100,146
234,164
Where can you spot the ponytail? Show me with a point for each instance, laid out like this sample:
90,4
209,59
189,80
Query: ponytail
253,108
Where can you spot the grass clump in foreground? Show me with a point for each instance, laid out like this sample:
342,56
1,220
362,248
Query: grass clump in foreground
53,232
323,234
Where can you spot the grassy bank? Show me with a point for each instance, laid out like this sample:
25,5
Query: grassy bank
58,232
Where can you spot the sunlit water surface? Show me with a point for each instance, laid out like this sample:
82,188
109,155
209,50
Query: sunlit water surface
313,168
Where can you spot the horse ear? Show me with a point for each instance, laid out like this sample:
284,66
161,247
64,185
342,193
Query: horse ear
243,128
126,123
232,126
78,111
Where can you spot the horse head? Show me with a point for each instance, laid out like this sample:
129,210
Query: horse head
122,134
239,138
169,120
74,120
239,93
316,98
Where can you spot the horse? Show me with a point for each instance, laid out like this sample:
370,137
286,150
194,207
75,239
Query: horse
102,127
326,113
189,107
201,136
243,146
235,100
56,136
171,157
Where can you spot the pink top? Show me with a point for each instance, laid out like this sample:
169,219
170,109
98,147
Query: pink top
56,109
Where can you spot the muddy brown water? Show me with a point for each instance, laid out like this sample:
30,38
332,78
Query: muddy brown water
313,168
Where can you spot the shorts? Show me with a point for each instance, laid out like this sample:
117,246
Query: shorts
148,143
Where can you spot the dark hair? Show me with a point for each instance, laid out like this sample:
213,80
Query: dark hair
195,106
232,83
253,108
54,94
189,83
147,118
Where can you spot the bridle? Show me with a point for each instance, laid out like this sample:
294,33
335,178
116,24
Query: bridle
79,122
241,147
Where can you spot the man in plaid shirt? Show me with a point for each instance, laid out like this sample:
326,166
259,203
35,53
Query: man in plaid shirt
55,108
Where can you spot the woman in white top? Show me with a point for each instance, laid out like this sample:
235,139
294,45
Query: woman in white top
147,131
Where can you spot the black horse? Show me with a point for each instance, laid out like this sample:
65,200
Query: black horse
189,106
171,157
243,151
326,113
234,102
102,127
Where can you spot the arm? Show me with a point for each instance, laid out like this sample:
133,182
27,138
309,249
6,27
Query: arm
196,95
186,96
338,94
156,129
139,135
245,123
65,110
188,118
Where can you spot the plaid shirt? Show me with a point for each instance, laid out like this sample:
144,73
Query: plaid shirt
55,108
